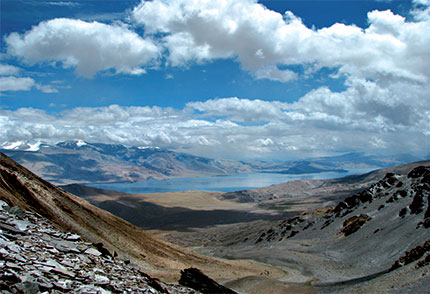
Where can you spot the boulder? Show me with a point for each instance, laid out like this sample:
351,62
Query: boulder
194,278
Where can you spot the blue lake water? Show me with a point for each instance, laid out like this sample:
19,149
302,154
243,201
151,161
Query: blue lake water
219,183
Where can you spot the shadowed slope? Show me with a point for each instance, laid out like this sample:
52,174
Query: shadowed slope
175,211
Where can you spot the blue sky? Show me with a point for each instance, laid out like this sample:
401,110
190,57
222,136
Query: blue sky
170,86
236,79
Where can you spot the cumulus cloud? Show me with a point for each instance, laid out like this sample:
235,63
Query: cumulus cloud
262,39
240,110
16,84
46,88
265,42
87,46
385,65
421,10
319,123
11,81
6,70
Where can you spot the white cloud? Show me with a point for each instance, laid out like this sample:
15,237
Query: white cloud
53,3
46,88
241,110
12,83
16,84
384,105
7,69
63,3
87,46
319,123
421,10
262,39
273,73
265,42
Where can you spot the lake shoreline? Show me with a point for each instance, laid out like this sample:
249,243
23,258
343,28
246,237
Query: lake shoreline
220,183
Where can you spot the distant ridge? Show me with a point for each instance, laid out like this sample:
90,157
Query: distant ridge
83,162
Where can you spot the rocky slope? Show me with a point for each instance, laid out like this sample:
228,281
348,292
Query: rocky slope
36,257
20,187
374,241
327,191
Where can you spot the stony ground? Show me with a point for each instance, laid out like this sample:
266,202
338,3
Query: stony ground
35,257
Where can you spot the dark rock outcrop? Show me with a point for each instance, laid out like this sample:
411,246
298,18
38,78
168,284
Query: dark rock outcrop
413,255
284,230
353,224
389,187
194,278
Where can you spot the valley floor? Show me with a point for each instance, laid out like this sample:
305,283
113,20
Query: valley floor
322,258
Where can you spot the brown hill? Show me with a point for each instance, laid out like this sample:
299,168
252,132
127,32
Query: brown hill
20,187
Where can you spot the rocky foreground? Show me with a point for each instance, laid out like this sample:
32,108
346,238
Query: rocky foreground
35,257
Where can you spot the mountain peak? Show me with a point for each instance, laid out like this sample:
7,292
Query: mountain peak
31,146
72,144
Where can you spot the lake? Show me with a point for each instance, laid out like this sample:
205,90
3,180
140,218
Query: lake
219,183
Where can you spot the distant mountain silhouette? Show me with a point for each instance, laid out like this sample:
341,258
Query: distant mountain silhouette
82,162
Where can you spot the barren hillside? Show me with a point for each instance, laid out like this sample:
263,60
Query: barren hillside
20,187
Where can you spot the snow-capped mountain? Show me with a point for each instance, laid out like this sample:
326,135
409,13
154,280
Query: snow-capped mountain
23,146
84,162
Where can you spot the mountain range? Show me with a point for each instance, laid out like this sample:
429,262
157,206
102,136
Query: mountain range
82,162
370,238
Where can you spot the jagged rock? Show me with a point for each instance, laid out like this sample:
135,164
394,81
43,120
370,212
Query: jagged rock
346,206
11,229
353,224
418,172
100,247
194,278
390,179
65,246
17,211
403,212
101,280
424,262
63,285
72,237
412,255
28,287
45,260
93,251
418,181
417,204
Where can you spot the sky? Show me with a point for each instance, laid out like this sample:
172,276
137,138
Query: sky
238,79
